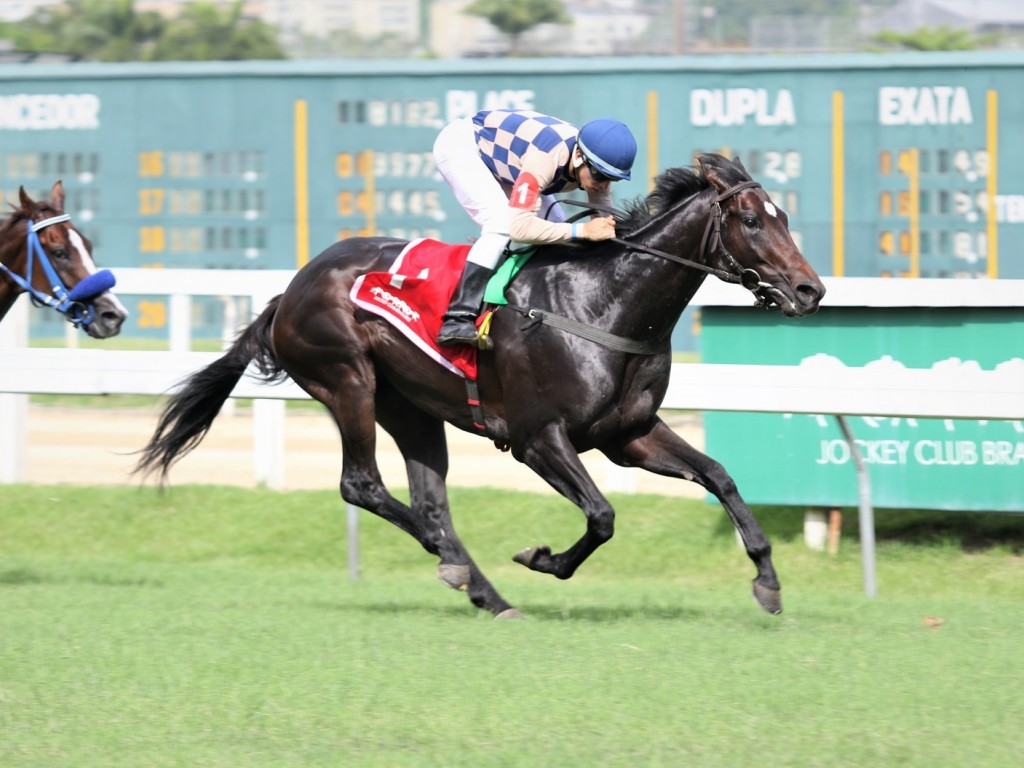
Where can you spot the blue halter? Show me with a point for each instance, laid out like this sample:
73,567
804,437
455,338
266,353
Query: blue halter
75,304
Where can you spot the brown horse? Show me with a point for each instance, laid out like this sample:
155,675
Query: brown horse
581,361
42,254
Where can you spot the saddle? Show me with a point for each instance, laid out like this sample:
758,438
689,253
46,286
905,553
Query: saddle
414,294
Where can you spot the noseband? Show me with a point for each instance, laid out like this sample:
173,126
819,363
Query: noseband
74,304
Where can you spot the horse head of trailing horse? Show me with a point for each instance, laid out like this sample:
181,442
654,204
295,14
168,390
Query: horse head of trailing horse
44,255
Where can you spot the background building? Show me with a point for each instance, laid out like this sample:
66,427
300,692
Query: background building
296,19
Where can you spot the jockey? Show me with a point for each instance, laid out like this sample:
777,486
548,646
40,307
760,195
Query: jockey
504,168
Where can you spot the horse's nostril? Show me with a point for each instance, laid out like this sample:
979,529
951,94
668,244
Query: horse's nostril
810,293
112,318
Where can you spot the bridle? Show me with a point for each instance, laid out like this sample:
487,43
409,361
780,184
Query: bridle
765,293
75,304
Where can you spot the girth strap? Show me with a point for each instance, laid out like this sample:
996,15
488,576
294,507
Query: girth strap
475,409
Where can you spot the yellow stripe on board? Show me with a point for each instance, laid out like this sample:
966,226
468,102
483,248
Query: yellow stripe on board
992,147
915,213
371,195
301,120
652,138
838,186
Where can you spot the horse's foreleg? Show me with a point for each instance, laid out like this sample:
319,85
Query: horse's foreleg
552,456
662,451
422,441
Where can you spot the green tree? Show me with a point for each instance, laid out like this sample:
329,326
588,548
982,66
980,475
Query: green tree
112,30
940,38
204,32
96,30
514,17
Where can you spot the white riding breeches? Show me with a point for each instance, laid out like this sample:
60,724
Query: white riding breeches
482,196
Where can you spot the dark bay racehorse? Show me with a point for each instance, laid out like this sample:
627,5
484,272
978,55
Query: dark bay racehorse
548,393
42,254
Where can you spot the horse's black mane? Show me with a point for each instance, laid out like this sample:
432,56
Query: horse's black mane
674,185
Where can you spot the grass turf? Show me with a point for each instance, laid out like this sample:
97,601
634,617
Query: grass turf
218,627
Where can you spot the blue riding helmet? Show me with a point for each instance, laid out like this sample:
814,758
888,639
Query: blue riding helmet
609,146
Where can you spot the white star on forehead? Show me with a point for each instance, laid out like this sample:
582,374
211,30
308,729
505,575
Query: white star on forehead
770,208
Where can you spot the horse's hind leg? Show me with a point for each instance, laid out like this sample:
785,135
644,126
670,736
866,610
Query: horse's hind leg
351,401
421,439
662,451
354,405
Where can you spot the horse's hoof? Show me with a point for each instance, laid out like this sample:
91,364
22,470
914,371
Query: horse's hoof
528,556
509,614
454,576
769,599
525,557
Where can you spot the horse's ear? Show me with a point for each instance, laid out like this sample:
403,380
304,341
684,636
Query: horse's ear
27,203
739,164
711,168
705,162
57,196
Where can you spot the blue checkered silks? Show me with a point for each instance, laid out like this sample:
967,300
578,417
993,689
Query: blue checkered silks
503,138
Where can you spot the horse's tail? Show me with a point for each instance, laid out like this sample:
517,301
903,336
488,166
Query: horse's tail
188,415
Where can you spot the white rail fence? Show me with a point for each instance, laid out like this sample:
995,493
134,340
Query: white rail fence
821,385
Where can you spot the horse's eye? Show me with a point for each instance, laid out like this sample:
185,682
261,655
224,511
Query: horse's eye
750,222
60,253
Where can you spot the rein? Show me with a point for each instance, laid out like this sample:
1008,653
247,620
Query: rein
73,304
709,244
765,293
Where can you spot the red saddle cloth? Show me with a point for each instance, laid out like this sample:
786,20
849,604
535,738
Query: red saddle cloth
413,296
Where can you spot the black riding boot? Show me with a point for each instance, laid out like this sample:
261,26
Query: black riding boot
459,326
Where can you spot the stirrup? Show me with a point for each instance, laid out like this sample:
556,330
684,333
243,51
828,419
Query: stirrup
483,332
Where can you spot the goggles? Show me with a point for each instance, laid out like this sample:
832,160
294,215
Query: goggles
597,175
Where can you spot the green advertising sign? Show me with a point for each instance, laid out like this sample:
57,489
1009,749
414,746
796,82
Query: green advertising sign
913,463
